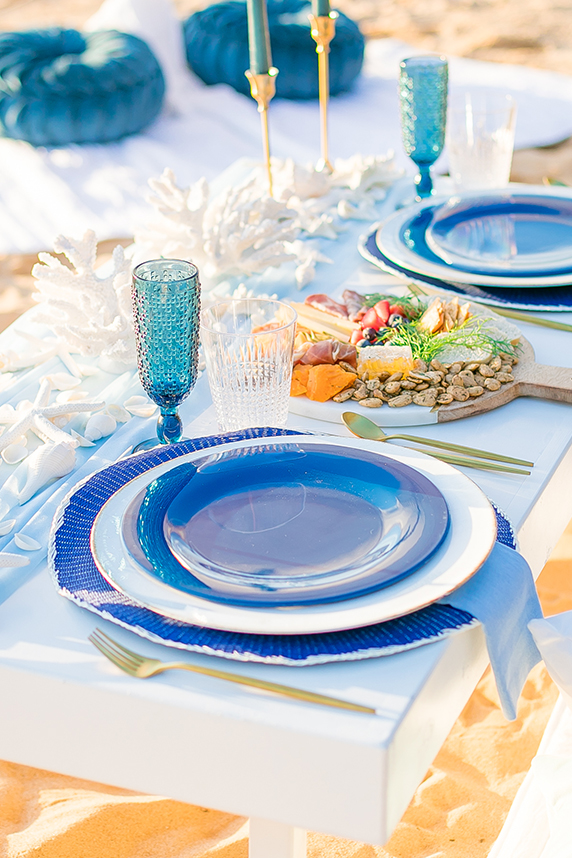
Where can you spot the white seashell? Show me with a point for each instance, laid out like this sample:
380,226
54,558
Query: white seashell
118,413
140,406
47,463
62,380
14,453
82,442
7,526
12,560
7,413
26,543
70,396
99,426
61,420
87,370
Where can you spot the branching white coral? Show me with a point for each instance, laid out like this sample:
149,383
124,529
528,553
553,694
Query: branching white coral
364,173
242,231
89,313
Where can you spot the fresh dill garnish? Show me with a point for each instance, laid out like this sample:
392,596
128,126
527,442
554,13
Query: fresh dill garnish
427,346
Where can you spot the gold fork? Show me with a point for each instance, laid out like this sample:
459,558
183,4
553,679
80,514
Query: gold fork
142,668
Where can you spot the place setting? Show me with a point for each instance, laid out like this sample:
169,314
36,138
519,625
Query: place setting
508,246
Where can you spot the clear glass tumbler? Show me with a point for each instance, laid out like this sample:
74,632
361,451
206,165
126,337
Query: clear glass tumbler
166,308
423,83
248,346
480,139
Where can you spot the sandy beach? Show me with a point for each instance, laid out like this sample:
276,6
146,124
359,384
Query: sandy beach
460,807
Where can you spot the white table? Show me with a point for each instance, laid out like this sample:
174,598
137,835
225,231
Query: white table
287,765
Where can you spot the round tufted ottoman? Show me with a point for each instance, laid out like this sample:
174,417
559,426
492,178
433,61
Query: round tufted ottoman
59,86
217,48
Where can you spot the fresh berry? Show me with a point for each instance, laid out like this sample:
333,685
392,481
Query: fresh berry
382,311
371,320
397,308
369,333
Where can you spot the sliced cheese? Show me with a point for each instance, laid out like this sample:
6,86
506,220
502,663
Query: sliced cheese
321,322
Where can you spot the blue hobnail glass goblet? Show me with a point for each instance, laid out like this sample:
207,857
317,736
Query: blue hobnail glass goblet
423,104
166,307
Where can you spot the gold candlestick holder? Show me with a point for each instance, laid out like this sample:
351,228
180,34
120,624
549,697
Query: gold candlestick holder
323,31
263,90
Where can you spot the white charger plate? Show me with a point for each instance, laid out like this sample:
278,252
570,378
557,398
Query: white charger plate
390,241
471,536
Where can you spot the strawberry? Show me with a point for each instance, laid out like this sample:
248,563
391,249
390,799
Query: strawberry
372,320
382,310
397,308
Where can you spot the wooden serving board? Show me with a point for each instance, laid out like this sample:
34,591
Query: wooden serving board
530,379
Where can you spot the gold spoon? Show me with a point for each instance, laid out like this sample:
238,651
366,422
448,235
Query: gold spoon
363,427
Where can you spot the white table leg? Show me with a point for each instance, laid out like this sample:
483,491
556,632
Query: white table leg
275,840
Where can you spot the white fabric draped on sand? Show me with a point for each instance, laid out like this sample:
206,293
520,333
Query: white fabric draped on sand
202,130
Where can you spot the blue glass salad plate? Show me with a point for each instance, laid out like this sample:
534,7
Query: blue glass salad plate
285,524
513,234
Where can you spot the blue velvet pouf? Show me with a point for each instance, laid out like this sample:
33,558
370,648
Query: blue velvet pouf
60,86
217,48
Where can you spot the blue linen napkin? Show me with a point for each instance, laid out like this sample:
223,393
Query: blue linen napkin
502,596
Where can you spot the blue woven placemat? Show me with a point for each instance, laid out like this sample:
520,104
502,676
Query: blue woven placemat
551,298
78,578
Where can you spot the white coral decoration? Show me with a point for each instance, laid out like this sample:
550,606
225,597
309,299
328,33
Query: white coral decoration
242,231
91,314
246,233
365,172
239,232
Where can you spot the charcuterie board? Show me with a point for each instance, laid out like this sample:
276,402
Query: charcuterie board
530,379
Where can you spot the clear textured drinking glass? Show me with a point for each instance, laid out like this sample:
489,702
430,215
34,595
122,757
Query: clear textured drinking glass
423,104
480,139
248,346
166,308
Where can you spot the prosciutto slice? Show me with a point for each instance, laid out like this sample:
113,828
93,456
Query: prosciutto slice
355,305
330,351
327,304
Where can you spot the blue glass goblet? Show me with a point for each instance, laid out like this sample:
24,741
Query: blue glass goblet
166,306
423,103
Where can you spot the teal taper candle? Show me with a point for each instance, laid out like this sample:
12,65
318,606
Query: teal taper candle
258,36
321,8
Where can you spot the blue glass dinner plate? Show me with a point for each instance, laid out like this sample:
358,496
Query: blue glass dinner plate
286,524
515,234
553,299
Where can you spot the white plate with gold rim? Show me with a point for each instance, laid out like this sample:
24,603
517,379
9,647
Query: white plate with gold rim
470,539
